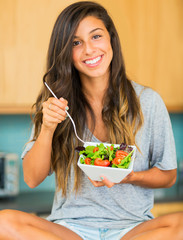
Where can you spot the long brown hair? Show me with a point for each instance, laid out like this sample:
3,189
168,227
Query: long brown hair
121,110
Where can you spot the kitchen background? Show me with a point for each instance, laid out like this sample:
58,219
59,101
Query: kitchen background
151,33
15,131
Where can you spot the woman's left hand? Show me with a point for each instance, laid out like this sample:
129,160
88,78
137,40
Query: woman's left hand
151,178
105,182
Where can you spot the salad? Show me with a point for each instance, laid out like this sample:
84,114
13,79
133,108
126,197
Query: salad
106,156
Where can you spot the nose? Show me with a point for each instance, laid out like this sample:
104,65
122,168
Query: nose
89,48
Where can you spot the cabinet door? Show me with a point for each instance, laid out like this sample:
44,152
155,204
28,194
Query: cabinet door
24,36
151,34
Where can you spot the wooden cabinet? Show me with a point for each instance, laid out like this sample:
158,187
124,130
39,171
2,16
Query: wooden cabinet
151,34
153,47
24,38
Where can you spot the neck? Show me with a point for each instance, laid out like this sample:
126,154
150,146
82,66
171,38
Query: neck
95,88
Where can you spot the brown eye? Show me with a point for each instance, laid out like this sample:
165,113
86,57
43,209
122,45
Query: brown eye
76,43
97,36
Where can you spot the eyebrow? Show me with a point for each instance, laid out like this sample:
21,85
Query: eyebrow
95,29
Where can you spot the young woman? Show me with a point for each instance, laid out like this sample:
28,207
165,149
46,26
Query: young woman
85,70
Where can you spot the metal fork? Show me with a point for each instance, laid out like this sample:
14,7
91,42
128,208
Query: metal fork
67,114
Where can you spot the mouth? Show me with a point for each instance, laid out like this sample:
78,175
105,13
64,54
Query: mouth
93,61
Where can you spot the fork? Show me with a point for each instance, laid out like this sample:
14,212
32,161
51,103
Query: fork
73,123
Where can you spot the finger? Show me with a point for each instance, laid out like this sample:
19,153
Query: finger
60,103
53,110
56,105
106,182
60,114
55,115
63,100
49,120
56,112
59,108
96,183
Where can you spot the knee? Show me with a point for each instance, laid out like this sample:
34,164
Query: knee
179,232
178,227
178,219
8,218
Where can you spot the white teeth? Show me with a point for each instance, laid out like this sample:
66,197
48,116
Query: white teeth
93,61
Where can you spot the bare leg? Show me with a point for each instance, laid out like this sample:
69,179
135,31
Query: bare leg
16,225
167,227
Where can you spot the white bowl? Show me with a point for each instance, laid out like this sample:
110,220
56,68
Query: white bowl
115,175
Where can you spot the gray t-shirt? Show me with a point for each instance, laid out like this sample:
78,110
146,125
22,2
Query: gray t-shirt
123,205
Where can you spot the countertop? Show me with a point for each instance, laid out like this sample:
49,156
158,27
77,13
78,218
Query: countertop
32,202
40,203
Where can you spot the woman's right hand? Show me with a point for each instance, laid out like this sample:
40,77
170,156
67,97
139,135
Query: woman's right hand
54,112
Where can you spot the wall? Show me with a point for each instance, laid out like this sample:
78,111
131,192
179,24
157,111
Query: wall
14,133
15,130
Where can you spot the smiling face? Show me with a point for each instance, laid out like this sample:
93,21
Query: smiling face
92,52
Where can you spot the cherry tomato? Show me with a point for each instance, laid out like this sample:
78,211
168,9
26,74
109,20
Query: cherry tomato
102,163
88,161
95,149
117,160
111,148
121,153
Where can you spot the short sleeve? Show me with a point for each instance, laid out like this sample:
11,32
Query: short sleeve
29,145
163,150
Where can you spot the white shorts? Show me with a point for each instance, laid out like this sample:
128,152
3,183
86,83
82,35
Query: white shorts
88,233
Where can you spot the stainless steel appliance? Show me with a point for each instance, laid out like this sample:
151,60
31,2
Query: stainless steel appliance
9,174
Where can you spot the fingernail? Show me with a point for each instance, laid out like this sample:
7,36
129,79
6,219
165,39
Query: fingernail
101,178
66,108
62,99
